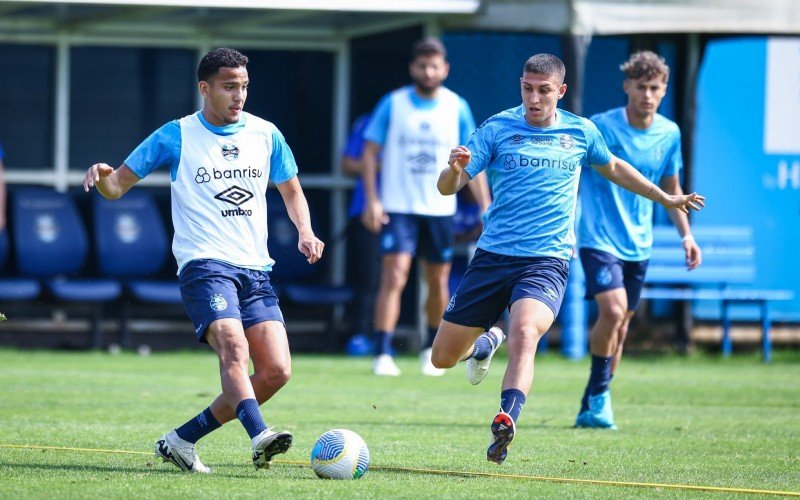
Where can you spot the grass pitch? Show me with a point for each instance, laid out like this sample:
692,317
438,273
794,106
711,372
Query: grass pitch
702,420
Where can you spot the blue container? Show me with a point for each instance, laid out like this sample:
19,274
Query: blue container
574,320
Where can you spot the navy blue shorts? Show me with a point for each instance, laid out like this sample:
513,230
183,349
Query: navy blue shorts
493,282
435,236
606,272
213,290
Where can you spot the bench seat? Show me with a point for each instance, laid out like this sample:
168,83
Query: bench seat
728,267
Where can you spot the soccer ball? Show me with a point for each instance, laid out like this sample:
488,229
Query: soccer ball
340,454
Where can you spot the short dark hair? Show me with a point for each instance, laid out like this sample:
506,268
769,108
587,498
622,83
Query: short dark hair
428,46
645,64
222,57
545,64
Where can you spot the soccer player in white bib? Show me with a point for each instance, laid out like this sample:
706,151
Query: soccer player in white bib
220,161
413,130
533,155
615,232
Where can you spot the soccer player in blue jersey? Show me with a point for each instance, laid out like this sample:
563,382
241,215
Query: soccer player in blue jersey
220,160
615,232
413,129
363,246
533,155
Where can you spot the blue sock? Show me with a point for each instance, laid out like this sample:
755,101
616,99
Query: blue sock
383,342
431,335
511,402
250,416
198,427
599,379
483,347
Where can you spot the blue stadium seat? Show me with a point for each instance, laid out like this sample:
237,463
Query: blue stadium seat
132,245
294,279
15,288
51,244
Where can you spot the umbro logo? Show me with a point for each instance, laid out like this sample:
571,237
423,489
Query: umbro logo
234,195
421,159
517,139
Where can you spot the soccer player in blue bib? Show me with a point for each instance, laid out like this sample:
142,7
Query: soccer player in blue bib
220,161
533,155
615,232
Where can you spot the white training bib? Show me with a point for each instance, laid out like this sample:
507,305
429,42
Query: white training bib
219,206
416,149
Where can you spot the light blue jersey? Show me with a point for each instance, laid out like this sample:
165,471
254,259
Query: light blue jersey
533,173
613,219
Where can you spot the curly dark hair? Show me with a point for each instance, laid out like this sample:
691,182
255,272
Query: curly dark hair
222,57
645,64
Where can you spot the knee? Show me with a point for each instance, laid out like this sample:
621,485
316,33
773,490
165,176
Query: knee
526,340
440,359
438,283
613,314
234,352
393,278
272,379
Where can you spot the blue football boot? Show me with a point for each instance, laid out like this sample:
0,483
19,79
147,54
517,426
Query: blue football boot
599,415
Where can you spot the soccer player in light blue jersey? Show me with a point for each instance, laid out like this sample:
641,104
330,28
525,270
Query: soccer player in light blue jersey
220,161
615,232
533,155
413,129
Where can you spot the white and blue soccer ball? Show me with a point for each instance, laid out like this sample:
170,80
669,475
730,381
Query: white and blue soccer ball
340,454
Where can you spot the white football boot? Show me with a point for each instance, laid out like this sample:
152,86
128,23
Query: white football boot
267,444
171,448
383,365
426,365
477,370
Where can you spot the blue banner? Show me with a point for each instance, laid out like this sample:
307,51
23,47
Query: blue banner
747,156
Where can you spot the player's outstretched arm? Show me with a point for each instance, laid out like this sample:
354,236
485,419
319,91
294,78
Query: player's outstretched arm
694,256
110,183
453,178
622,173
297,207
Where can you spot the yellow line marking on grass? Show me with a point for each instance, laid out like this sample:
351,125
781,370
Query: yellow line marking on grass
64,448
598,482
594,481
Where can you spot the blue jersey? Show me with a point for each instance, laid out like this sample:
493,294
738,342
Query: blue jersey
353,149
533,174
613,219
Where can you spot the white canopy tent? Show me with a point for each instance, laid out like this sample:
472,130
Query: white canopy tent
330,25
609,17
